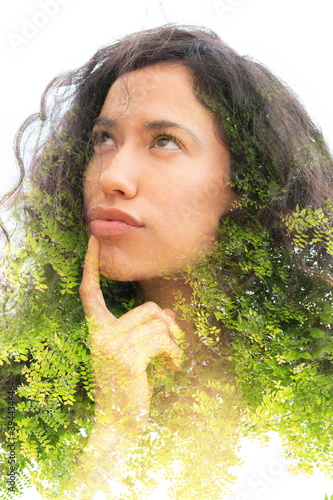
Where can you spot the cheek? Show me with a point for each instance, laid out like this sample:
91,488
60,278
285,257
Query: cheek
188,220
214,195
88,184
203,202
92,175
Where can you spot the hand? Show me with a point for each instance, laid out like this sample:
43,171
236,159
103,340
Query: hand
122,349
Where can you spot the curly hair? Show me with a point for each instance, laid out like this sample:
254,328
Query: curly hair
279,158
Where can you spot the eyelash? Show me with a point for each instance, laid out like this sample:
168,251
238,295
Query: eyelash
164,135
99,134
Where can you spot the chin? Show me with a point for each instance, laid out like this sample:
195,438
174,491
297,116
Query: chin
135,274
117,265
112,274
123,274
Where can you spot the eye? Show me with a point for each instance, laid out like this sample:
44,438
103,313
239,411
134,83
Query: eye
100,138
166,142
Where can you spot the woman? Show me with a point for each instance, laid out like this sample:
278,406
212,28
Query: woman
206,192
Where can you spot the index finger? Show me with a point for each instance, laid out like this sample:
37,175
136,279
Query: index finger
90,291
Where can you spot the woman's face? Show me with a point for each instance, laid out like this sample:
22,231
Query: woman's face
157,183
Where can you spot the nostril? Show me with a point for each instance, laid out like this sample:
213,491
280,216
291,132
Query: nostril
113,185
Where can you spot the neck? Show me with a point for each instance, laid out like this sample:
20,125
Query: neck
164,292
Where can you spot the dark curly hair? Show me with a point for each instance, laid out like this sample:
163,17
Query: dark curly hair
279,157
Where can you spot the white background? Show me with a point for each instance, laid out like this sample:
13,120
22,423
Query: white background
294,38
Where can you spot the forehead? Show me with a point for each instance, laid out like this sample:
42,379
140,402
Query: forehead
162,74
169,84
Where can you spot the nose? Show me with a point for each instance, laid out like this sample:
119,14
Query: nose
120,174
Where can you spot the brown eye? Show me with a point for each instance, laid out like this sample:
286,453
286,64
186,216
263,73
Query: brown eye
166,142
101,137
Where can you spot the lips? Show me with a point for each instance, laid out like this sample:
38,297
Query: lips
110,221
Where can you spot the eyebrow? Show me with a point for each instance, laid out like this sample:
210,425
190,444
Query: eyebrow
104,121
152,125
162,124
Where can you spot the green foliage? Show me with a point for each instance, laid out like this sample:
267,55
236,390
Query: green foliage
264,361
44,348
278,315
